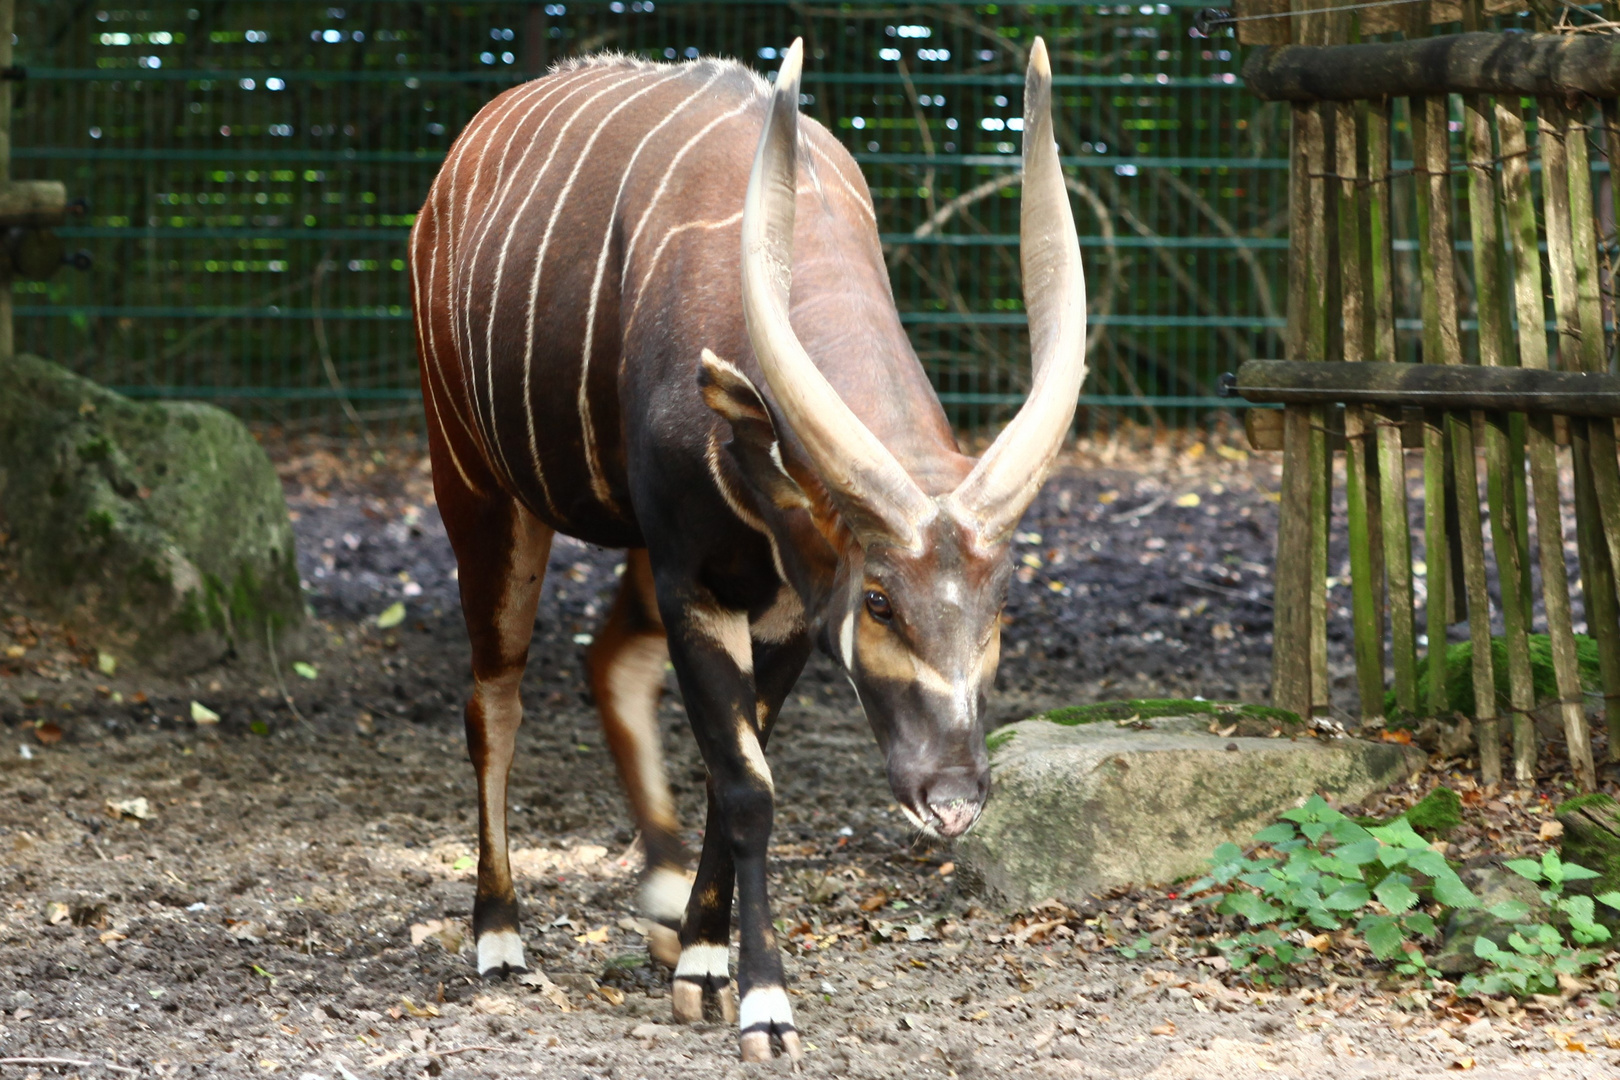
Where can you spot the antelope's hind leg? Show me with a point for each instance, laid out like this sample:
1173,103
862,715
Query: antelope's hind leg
626,665
501,552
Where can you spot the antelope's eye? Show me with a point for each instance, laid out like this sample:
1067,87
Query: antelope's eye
877,605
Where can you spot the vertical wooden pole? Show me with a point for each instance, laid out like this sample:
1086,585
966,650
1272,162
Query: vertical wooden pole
1439,295
1484,214
8,25
1573,256
1391,458
1318,316
1528,290
1443,345
1300,524
1605,523
1368,629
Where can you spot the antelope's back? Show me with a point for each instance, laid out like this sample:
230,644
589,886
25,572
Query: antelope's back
547,244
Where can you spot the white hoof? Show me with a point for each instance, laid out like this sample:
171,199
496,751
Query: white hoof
500,952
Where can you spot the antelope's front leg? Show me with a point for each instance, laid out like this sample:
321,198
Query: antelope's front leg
713,660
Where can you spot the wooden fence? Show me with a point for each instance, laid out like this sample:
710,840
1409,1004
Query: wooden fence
1480,111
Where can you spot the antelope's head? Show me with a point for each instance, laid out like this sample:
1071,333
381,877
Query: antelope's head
914,611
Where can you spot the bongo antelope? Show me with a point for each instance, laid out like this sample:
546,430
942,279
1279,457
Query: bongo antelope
652,313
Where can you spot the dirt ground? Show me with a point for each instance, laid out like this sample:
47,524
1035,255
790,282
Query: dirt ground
291,897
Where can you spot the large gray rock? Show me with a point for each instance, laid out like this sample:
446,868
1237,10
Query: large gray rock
158,531
1077,809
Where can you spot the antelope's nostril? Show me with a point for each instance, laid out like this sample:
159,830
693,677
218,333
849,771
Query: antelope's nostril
955,815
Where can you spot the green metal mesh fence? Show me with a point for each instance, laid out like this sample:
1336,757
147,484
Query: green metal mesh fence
252,171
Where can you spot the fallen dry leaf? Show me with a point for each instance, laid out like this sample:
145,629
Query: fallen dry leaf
137,808
494,1006
614,996
446,933
48,733
548,989
875,901
598,936
57,913
112,936
1166,1028
946,869
1550,830
418,1010
1321,942
1401,736
1462,1063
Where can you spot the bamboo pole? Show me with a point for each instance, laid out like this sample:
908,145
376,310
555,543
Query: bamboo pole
1360,495
1572,254
1391,458
1439,340
1492,301
1520,212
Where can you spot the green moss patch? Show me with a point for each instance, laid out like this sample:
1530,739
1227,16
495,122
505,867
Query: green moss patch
1460,676
1250,719
1436,814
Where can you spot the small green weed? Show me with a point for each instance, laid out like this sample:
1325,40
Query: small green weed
1535,957
1317,872
1326,871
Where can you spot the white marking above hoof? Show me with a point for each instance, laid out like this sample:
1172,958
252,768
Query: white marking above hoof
705,963
500,952
664,895
766,1008
765,1012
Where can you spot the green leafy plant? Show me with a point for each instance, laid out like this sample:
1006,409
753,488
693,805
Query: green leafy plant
1328,870
1534,956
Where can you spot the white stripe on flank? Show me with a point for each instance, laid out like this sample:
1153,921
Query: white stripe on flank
663,182
427,337
592,461
658,253
460,326
513,221
491,215
494,293
860,199
451,173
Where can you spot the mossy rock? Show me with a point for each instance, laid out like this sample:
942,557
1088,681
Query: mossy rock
1436,814
1251,720
1460,676
157,530
1592,839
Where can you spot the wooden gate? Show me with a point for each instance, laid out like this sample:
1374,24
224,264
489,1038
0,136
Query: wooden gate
1505,132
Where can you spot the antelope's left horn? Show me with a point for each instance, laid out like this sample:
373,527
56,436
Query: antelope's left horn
1001,486
872,490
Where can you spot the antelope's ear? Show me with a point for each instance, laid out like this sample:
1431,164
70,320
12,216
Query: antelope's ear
733,395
